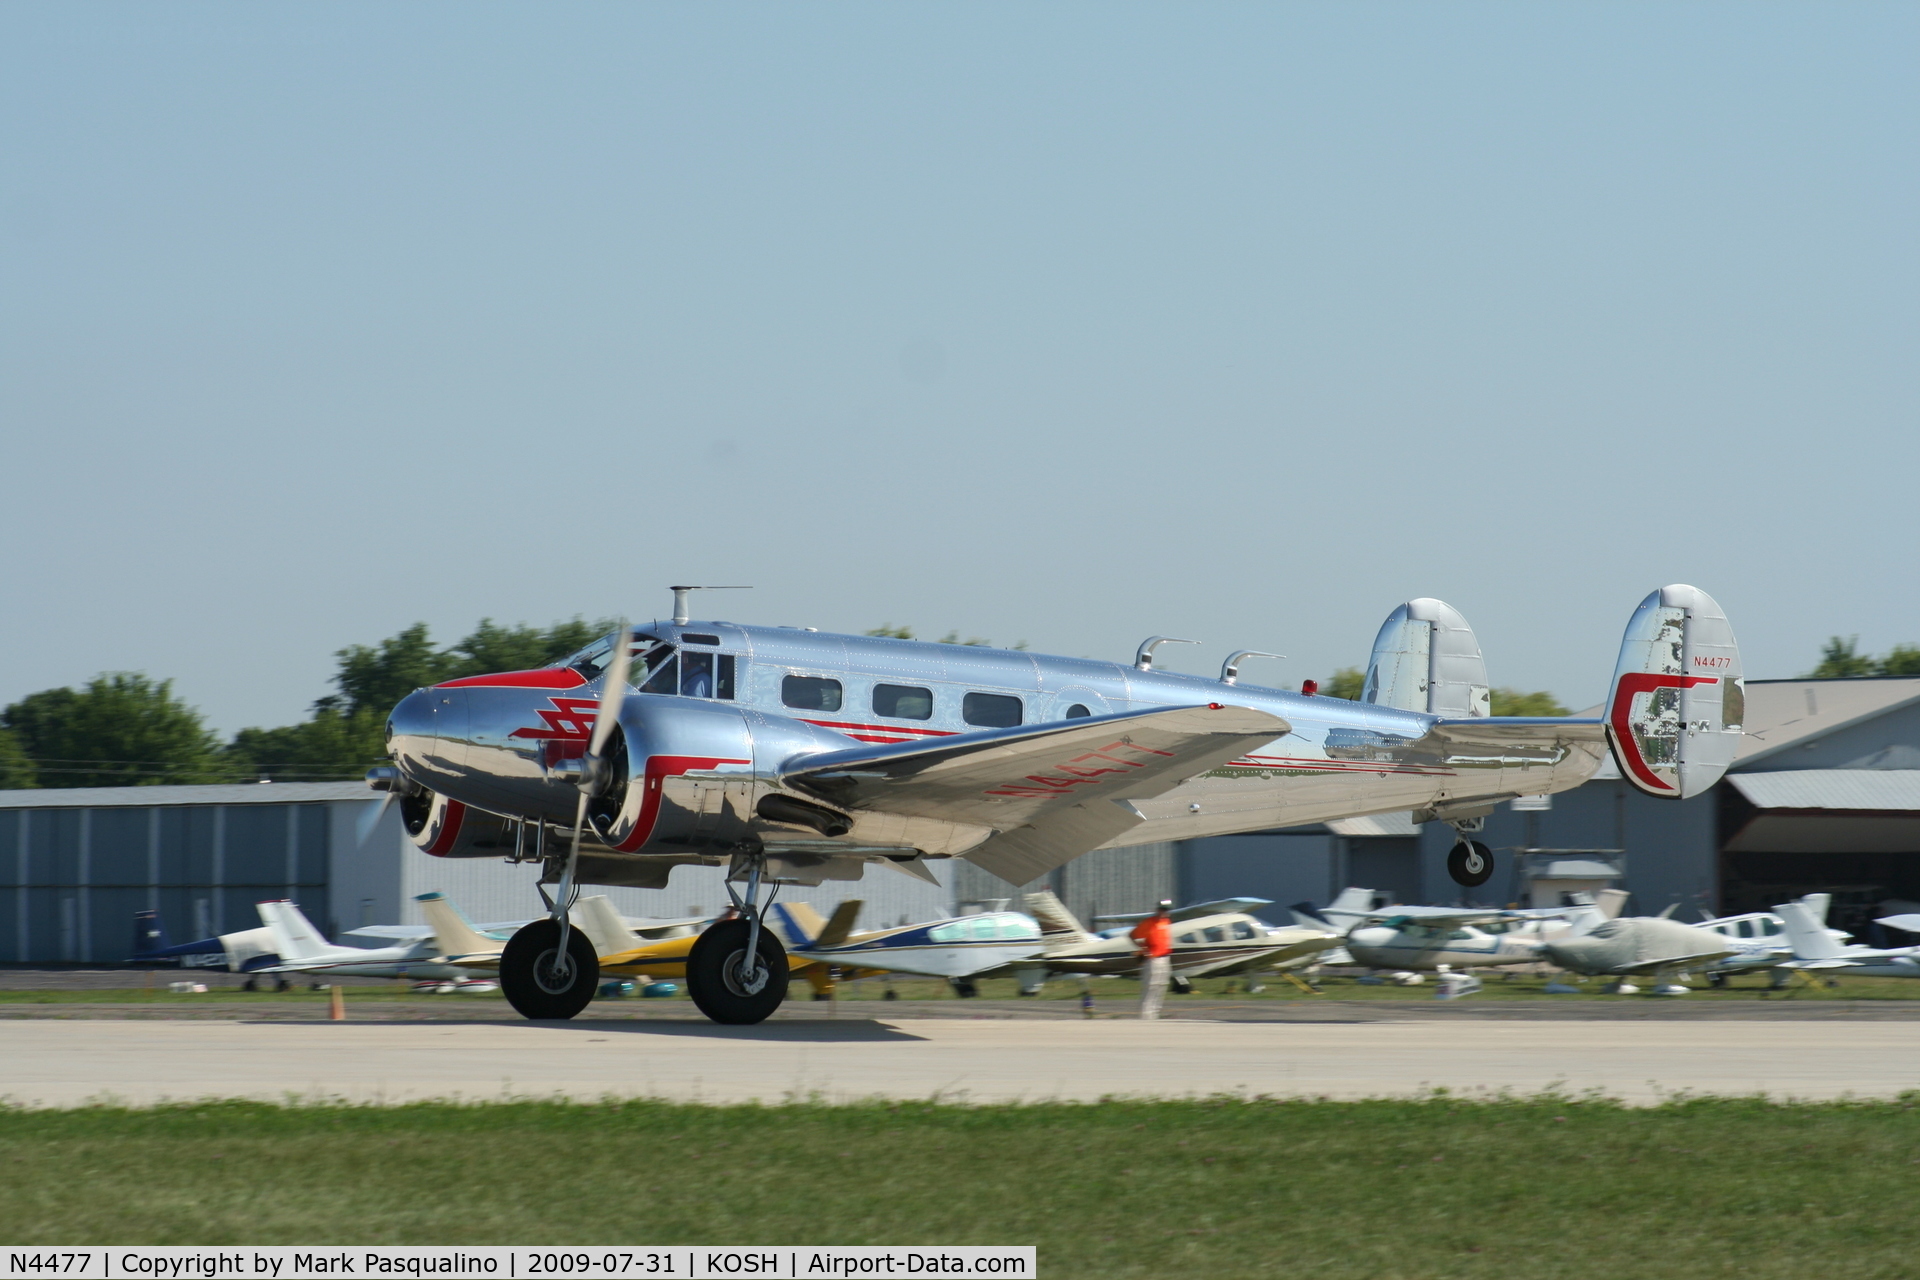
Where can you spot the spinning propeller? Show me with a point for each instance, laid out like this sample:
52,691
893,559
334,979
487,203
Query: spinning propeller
593,766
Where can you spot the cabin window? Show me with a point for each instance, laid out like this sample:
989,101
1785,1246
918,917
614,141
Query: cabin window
1241,929
1771,926
990,710
691,637
1459,935
1216,934
810,693
706,675
902,702
1078,711
1189,938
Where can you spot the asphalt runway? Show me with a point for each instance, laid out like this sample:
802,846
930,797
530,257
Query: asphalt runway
73,1061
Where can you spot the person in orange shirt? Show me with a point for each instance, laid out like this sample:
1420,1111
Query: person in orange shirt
1154,938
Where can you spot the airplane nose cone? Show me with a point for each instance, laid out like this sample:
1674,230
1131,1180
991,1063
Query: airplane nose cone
411,730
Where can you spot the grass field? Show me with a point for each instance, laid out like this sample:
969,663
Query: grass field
1542,1187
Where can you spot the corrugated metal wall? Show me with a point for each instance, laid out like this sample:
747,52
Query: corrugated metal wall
1116,881
71,878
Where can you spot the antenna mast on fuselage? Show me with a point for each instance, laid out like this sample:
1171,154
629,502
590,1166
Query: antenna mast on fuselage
680,615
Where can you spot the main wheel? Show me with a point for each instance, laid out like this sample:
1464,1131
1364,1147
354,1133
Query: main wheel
725,985
1179,985
538,982
1470,863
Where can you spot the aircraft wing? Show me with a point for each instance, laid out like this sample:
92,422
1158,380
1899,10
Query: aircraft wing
1246,960
1436,915
1051,792
1194,912
1665,962
392,932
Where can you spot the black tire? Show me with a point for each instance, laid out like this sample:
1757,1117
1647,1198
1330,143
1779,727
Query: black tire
1470,863
964,988
527,972
1179,986
251,984
713,981
283,985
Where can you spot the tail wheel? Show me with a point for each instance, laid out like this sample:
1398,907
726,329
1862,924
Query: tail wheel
538,981
1470,863
730,986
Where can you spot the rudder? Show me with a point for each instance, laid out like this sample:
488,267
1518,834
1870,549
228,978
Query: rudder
1677,701
1426,658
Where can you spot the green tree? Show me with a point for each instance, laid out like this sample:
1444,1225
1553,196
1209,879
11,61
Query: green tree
1901,660
1841,659
122,729
1347,682
347,732
16,770
892,632
1512,702
493,647
334,746
378,676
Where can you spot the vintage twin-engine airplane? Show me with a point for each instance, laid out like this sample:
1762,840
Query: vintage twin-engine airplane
793,756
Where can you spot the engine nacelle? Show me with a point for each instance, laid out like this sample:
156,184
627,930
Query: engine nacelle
683,778
448,829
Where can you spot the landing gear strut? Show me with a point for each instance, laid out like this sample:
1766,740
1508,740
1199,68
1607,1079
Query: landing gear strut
737,970
1470,863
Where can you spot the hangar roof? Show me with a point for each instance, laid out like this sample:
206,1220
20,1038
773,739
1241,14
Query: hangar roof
1783,712
1879,790
236,793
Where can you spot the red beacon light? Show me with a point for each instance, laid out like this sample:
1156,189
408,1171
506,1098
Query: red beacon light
1309,687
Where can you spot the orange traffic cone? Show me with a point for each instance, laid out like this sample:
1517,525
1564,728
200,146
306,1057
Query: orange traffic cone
337,1006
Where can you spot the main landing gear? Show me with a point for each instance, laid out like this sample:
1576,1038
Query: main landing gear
1470,863
737,970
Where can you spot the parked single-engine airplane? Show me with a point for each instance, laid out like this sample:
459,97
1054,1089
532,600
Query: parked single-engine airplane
792,756
1814,947
249,951
1399,937
1638,946
1210,939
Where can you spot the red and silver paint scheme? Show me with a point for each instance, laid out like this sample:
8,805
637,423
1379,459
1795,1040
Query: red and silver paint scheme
822,753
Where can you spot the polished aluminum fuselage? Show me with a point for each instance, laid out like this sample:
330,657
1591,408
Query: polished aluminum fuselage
696,770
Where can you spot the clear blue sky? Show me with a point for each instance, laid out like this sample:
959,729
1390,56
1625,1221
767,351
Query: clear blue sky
1068,323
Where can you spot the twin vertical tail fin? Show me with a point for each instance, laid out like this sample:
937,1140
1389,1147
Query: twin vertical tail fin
1677,702
1426,658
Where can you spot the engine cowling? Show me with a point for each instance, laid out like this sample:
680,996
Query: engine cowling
449,829
682,778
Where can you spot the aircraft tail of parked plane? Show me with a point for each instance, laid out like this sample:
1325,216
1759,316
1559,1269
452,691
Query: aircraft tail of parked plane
1057,924
1812,941
805,930
298,939
452,932
244,951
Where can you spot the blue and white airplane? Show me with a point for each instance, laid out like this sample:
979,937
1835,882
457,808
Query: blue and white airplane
249,951
790,756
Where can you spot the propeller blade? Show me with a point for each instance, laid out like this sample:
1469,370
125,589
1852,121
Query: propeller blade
612,693
370,818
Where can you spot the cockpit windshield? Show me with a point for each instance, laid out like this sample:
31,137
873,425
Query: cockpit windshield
659,667
648,653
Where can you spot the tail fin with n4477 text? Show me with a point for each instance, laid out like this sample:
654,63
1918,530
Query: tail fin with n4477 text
1677,702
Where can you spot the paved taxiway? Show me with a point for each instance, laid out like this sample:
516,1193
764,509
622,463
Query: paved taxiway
66,1062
